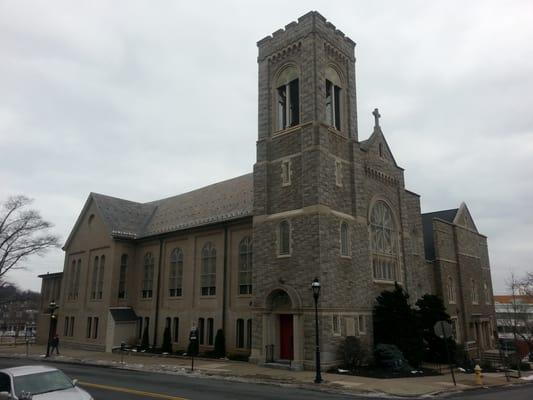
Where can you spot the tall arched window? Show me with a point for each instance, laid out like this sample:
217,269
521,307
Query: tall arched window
287,98
333,99
176,273
451,290
77,280
122,276
245,266
474,293
94,278
72,275
384,243
209,271
148,276
284,238
345,246
100,290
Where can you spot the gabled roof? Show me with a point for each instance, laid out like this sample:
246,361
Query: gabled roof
377,135
427,228
123,217
464,218
222,201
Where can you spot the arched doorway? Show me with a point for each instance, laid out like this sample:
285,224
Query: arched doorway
282,328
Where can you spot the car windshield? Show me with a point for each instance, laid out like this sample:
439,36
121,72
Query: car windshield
41,383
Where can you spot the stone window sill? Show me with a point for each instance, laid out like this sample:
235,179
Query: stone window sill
285,131
385,282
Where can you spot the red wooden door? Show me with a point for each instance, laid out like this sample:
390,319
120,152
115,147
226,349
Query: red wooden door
285,337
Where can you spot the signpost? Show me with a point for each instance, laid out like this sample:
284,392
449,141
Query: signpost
443,329
193,345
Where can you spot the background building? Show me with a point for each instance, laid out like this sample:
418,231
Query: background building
18,312
514,319
240,255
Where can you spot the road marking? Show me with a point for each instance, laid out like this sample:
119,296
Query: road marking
131,391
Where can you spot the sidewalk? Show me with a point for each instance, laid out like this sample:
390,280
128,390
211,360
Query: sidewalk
241,371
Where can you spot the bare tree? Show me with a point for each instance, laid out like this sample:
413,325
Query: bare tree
526,284
23,233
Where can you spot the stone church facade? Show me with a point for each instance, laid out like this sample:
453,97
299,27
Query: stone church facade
240,255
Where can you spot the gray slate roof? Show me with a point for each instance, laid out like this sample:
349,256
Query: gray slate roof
222,201
427,227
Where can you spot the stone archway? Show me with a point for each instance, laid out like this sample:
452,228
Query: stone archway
283,328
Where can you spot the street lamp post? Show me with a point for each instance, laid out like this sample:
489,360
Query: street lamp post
316,294
52,307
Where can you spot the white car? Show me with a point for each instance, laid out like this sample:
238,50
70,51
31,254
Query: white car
38,382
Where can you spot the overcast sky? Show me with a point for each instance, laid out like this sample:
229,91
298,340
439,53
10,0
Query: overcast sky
148,99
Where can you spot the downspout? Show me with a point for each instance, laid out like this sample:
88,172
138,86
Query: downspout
158,289
225,279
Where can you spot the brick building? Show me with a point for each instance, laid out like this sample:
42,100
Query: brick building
240,255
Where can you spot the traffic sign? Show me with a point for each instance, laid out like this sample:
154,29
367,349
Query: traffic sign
443,329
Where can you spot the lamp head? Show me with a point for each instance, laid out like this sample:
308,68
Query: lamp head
315,286
52,306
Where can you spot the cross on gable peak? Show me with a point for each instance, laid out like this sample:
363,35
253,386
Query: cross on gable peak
377,116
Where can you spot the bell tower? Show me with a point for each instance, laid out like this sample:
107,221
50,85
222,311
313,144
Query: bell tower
304,174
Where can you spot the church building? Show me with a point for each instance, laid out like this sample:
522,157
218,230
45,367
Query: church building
241,255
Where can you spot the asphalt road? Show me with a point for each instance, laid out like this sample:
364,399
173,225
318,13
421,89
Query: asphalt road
115,384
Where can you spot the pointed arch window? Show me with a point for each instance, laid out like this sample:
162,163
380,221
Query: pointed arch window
148,276
245,266
209,271
176,273
288,99
384,243
345,242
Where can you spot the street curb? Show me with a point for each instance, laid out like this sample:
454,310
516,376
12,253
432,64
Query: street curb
208,375
324,387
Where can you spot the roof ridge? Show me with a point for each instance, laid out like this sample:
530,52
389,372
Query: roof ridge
114,198
200,188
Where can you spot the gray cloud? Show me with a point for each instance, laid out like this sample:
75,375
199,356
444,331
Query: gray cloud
145,100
